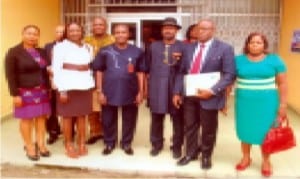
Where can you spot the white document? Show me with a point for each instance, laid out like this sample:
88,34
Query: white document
194,82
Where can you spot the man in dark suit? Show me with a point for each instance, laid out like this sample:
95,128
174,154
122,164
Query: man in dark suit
52,124
207,55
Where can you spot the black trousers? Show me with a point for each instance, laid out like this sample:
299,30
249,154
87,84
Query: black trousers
197,118
110,124
157,128
52,124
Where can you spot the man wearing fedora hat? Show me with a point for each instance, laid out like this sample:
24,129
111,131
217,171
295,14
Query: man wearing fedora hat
163,60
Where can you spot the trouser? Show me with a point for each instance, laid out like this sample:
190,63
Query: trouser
197,118
157,126
52,124
110,124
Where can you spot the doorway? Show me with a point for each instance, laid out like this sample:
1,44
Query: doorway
144,27
150,32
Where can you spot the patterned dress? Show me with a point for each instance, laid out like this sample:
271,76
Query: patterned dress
256,96
35,101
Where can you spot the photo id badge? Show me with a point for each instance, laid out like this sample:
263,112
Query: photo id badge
130,66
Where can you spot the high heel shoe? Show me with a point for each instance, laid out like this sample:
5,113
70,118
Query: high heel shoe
34,157
45,153
242,166
266,172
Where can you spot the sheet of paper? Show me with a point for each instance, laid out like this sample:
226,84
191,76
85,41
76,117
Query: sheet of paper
194,82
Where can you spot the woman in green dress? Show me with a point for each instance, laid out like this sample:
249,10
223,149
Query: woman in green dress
260,97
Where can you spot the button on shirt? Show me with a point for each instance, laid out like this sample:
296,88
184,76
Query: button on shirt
66,79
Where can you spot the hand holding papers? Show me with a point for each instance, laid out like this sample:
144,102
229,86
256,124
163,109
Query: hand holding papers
194,82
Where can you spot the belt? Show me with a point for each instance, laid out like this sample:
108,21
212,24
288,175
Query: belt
256,84
69,66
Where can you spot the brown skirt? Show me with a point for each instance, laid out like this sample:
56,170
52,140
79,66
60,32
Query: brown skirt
79,103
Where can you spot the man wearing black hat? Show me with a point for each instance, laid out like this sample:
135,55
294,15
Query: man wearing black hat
163,60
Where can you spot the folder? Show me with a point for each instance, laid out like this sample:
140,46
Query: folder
194,82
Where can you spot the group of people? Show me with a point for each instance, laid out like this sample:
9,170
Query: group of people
77,77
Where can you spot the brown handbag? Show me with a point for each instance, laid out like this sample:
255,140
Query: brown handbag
279,138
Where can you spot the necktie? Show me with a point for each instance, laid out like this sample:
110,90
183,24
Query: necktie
195,68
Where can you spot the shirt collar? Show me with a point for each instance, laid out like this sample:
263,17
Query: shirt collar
207,43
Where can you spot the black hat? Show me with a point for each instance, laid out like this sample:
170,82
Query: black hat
171,22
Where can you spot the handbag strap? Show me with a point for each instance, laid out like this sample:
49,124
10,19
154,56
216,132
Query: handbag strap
280,121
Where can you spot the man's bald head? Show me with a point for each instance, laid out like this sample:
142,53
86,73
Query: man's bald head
99,26
59,32
206,30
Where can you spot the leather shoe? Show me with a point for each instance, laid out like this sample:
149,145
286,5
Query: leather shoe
108,150
206,163
128,150
94,139
155,151
185,160
176,153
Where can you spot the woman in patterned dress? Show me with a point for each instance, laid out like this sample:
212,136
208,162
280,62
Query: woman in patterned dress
26,74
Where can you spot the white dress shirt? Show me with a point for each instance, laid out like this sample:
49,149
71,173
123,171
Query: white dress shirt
204,52
69,52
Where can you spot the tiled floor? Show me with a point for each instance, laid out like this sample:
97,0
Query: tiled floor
227,153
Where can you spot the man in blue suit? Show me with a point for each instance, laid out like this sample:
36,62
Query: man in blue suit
201,111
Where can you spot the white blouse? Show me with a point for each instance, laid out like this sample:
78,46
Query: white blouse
69,52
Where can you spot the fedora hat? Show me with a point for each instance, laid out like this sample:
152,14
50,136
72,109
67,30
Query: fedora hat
170,21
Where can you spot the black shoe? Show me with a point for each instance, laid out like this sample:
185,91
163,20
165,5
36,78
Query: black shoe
155,151
34,157
108,150
45,154
185,160
94,139
176,153
206,163
128,150
52,139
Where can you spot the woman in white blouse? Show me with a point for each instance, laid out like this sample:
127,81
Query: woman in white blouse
74,81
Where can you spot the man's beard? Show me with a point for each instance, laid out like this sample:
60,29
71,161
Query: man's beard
169,37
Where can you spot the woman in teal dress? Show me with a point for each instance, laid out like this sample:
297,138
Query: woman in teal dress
260,97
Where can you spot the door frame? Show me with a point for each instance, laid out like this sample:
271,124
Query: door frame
137,19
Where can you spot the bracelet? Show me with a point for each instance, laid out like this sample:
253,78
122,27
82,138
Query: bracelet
99,90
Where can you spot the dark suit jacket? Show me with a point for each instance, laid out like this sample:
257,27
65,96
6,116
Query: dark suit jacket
22,71
219,58
48,48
